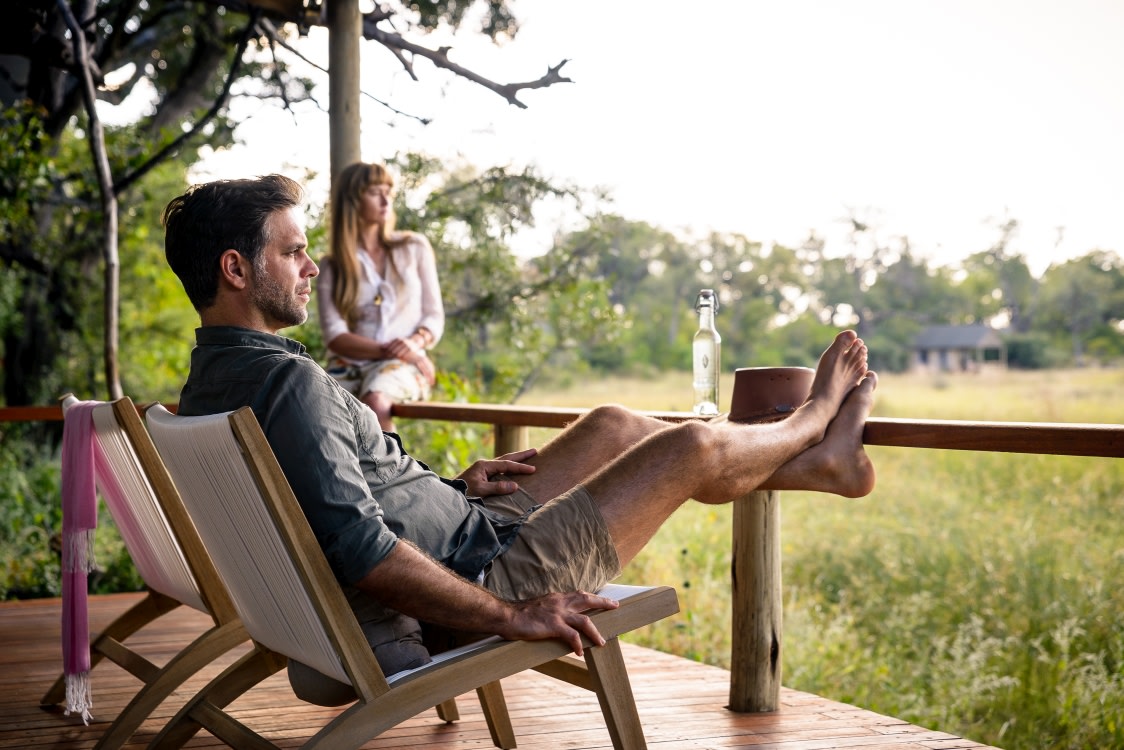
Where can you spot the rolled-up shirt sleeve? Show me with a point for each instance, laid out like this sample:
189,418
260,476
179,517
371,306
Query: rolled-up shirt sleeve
432,308
320,460
332,323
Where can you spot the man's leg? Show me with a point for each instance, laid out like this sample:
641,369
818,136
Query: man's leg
640,472
584,447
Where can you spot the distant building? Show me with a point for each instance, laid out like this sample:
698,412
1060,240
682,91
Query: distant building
958,349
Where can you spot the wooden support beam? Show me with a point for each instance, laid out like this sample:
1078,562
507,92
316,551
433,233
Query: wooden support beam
511,438
345,31
755,572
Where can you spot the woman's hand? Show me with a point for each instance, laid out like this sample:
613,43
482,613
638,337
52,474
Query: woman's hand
411,350
411,353
427,369
406,350
479,476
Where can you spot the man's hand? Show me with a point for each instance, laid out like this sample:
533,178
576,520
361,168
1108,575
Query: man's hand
479,476
410,582
557,616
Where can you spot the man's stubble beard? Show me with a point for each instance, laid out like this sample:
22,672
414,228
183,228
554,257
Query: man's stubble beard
275,302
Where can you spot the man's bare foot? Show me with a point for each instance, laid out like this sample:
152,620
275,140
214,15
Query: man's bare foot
838,464
840,368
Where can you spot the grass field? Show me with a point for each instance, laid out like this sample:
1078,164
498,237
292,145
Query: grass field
976,593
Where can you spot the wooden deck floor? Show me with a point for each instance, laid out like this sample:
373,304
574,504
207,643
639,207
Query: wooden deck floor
681,702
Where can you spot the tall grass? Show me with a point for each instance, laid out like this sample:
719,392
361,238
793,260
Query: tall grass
971,592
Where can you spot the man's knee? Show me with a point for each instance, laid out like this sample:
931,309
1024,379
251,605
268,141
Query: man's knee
609,419
612,423
692,438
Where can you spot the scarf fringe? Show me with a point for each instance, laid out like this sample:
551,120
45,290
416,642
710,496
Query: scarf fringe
78,551
78,697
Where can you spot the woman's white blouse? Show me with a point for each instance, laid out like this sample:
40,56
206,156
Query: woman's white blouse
391,308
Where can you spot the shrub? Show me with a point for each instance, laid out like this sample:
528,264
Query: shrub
31,525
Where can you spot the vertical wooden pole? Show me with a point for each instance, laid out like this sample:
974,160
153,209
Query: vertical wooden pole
344,35
511,438
755,658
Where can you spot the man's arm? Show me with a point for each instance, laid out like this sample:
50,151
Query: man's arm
335,497
410,582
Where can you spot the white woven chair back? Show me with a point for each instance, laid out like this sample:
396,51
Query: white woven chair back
138,515
222,496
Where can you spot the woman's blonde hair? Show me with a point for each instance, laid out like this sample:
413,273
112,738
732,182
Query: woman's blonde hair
347,191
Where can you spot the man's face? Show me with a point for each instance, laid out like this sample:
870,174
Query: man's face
281,285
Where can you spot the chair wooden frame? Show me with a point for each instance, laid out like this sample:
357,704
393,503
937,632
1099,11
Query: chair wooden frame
234,443
172,561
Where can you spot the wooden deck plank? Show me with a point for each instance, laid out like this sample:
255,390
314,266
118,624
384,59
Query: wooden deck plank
681,703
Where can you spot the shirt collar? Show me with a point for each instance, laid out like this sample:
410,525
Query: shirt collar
236,336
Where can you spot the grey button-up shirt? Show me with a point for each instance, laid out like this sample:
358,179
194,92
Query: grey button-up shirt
359,489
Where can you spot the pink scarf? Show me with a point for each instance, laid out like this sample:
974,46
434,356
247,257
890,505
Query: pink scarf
80,457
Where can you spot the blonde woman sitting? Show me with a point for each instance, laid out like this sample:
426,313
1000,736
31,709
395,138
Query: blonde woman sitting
378,296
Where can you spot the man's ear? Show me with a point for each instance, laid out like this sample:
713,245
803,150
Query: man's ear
234,269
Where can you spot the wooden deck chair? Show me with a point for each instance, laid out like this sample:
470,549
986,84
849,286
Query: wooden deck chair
171,560
291,603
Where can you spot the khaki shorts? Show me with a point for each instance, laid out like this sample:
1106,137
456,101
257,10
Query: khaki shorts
563,546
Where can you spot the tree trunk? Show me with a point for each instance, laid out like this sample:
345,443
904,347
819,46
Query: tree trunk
109,204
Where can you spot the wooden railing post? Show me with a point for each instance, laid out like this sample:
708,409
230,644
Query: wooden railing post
755,570
511,438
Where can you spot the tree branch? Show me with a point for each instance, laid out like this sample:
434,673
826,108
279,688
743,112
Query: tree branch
269,30
440,57
398,46
220,102
84,63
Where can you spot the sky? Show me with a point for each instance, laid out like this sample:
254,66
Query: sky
936,120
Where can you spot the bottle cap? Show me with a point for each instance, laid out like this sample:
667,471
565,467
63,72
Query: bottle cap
706,295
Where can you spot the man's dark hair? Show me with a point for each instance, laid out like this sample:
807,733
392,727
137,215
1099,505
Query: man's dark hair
209,219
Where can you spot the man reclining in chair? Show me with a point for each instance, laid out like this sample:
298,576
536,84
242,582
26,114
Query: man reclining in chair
513,545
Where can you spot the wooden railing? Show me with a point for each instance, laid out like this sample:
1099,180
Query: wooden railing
756,635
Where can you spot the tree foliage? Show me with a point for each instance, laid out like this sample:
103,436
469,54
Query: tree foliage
170,69
57,265
506,317
613,295
1082,301
779,303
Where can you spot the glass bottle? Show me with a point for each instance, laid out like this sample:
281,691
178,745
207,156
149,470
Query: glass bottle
706,354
